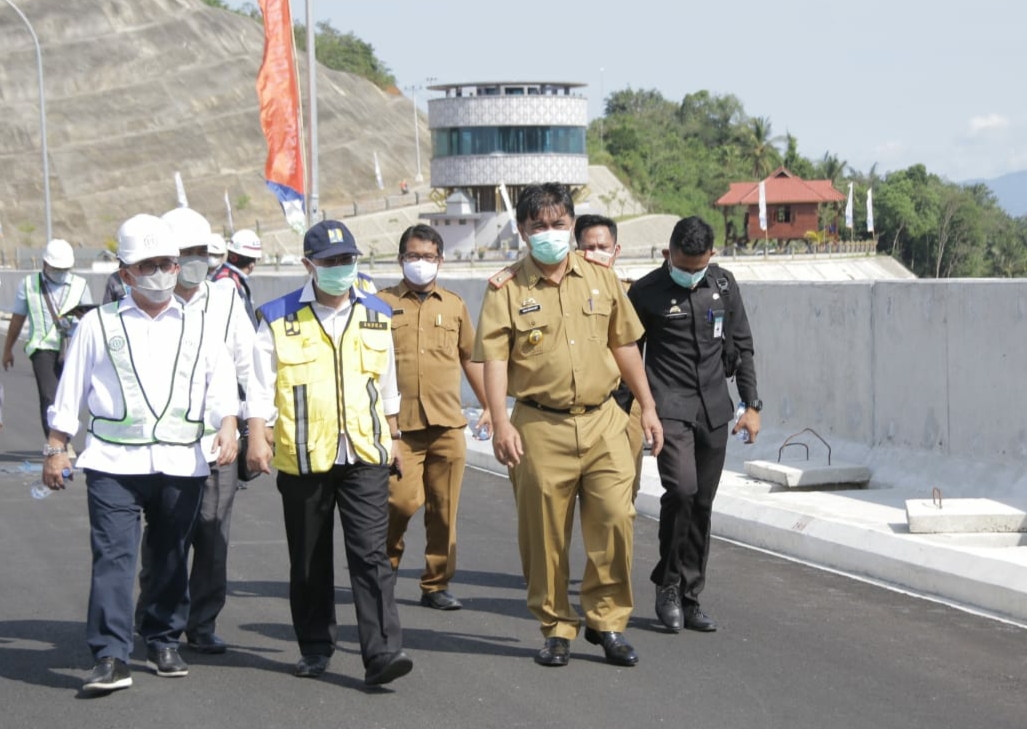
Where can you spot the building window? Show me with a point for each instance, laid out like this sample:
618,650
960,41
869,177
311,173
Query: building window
466,141
784,214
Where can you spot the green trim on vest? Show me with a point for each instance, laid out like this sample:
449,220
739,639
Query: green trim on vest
141,423
41,337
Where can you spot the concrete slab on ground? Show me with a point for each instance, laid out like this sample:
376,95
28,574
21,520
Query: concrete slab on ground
938,515
792,475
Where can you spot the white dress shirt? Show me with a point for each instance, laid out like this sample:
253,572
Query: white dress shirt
260,397
90,378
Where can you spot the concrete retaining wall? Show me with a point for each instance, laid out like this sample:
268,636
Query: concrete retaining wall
919,380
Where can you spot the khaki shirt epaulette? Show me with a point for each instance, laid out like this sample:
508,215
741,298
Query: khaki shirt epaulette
598,257
498,279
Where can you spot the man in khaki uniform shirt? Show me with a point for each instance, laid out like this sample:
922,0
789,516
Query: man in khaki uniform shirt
557,333
599,233
433,337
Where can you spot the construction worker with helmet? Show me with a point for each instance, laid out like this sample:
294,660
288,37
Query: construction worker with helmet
51,300
225,318
217,249
243,253
150,377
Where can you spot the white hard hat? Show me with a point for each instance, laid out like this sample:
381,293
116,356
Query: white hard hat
145,236
245,243
216,245
59,254
188,227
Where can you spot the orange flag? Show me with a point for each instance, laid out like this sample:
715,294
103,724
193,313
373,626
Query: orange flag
280,110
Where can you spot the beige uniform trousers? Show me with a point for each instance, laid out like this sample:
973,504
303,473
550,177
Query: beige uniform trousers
433,469
567,458
635,443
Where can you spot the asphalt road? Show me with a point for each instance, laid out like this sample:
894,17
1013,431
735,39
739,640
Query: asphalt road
798,647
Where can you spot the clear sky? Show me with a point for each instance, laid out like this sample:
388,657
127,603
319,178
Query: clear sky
894,82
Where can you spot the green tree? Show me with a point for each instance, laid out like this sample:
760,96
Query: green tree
760,143
345,52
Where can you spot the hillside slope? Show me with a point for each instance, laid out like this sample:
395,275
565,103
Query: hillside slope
136,91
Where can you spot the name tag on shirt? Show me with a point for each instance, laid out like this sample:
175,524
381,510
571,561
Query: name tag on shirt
718,326
380,325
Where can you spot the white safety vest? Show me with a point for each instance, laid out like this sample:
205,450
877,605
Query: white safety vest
42,336
146,423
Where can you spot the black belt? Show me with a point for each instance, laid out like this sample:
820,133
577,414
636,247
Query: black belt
575,410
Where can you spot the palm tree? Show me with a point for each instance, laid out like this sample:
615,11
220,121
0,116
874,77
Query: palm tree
761,146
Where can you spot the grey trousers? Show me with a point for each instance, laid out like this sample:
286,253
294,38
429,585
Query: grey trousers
208,576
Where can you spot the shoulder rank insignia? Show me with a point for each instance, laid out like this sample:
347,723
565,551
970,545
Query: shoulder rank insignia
497,280
598,257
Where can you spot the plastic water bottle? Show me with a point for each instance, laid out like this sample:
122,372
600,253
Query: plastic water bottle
473,415
40,490
743,434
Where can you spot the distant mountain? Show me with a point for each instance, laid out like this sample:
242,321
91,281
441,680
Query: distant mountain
1011,191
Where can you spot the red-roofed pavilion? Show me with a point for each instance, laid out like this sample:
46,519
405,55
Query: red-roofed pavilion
793,204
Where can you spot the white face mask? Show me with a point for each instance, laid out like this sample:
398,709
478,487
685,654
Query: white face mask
58,275
157,287
192,271
420,273
213,262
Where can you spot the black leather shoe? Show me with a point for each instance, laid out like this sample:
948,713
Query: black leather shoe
109,674
616,647
311,666
696,619
668,607
387,668
166,662
440,600
207,643
556,652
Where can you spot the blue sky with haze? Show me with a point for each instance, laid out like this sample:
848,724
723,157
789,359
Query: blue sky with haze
893,82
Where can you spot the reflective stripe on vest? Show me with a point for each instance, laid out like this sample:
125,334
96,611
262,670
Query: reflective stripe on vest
217,319
309,366
141,424
40,335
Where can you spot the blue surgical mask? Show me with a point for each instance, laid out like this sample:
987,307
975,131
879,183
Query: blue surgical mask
335,280
686,279
550,246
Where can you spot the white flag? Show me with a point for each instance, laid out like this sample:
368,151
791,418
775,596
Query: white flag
848,209
228,211
763,206
180,191
512,213
870,211
378,173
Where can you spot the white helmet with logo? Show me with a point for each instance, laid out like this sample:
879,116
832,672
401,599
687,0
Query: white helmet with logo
189,228
245,243
145,236
59,254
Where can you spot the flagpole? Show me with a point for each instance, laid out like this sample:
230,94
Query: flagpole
313,193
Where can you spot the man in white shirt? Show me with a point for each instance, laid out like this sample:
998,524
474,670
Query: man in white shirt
324,371
225,318
148,374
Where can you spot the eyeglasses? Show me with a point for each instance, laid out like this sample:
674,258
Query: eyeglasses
149,267
426,257
346,259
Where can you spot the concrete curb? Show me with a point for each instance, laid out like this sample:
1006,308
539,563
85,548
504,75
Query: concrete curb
852,535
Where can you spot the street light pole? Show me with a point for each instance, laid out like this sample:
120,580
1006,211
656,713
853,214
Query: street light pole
417,133
42,120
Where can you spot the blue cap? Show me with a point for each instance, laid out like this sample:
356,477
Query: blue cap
329,238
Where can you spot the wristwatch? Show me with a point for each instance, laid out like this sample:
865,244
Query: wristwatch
49,450
396,436
756,405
